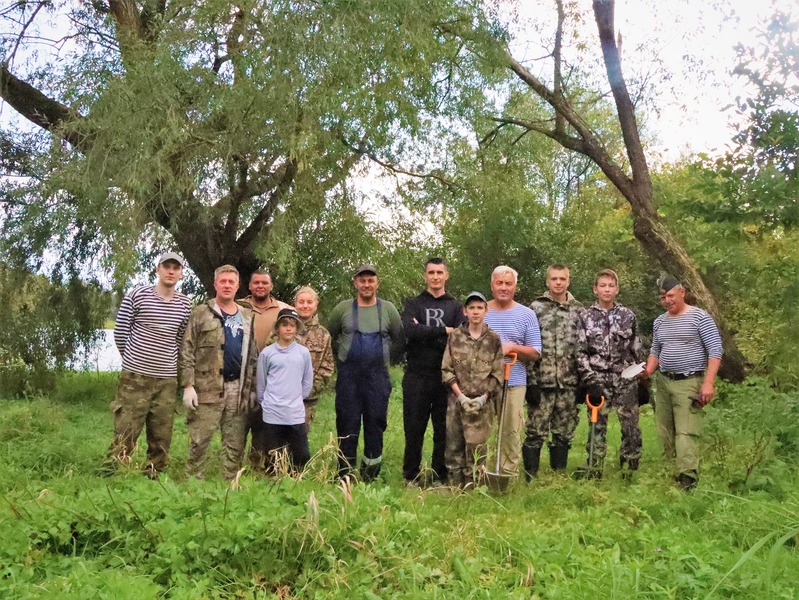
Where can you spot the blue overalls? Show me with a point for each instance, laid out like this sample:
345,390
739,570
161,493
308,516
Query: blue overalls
362,390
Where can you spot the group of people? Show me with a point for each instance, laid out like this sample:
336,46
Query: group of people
257,367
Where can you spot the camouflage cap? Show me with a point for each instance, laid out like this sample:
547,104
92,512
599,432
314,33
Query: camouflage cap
667,282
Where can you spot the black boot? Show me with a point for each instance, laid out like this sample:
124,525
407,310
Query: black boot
558,457
532,459
632,466
370,472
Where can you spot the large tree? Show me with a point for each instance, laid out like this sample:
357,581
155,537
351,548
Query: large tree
203,124
570,126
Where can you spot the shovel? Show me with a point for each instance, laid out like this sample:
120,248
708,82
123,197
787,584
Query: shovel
593,417
498,481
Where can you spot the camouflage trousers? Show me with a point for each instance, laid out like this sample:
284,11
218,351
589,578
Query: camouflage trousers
621,394
310,411
203,422
466,447
142,401
555,414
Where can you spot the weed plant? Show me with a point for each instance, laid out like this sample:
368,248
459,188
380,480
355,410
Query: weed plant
70,533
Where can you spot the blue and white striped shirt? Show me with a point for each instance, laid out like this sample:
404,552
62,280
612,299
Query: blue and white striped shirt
683,344
149,330
518,325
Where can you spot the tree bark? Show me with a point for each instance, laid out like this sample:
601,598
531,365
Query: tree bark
650,230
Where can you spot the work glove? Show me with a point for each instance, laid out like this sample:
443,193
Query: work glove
471,408
190,397
595,393
533,396
480,401
464,401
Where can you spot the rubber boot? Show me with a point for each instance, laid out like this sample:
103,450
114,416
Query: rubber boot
632,466
370,472
532,459
558,457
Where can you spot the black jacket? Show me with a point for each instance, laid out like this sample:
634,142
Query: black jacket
427,337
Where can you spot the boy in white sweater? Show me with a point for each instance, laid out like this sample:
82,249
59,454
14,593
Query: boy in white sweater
283,379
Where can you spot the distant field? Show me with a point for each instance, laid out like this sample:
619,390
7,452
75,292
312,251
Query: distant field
70,533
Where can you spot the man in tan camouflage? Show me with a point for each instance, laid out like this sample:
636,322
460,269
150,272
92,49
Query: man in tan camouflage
217,365
552,381
265,308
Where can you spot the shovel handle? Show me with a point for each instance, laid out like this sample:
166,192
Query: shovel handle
508,365
594,408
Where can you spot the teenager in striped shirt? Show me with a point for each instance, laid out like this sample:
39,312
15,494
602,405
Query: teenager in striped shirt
149,328
686,349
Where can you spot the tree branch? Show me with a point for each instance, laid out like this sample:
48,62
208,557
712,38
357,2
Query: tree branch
604,16
361,151
40,109
250,234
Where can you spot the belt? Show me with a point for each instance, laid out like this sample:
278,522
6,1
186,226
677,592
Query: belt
680,376
231,377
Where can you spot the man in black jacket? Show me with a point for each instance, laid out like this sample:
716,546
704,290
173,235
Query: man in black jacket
427,319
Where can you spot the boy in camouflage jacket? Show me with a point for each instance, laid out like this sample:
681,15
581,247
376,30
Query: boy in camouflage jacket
472,368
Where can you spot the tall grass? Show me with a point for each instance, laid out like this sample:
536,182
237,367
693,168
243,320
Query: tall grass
68,533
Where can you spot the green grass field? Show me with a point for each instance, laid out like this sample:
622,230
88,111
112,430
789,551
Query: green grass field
69,533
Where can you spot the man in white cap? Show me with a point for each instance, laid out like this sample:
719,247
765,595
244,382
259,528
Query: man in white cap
149,328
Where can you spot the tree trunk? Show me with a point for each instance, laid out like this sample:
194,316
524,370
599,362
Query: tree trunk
653,234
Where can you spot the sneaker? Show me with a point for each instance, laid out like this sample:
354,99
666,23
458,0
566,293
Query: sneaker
412,483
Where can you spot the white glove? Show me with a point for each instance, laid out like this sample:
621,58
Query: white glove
471,408
464,400
480,401
190,397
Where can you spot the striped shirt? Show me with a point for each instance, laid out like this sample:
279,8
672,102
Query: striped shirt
517,325
149,331
683,344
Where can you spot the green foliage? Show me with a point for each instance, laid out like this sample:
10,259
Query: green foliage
44,323
212,125
68,533
754,272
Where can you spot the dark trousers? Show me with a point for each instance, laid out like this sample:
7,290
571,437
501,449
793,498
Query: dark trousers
361,395
293,437
424,397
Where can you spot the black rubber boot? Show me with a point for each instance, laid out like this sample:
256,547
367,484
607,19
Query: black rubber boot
631,466
558,457
532,459
370,472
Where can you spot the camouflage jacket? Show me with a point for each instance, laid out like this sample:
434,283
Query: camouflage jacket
560,340
202,356
317,339
475,364
609,342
